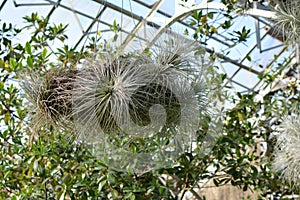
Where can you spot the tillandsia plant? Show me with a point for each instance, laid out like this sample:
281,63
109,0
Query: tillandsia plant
116,90
286,154
127,103
288,19
102,92
50,97
139,107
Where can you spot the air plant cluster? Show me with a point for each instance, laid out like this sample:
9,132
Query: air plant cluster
116,94
286,154
147,100
116,90
50,97
288,19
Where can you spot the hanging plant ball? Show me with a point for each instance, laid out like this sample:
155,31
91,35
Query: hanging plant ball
50,96
286,154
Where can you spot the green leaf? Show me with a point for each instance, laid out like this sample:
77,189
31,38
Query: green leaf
216,182
28,48
62,195
193,23
115,37
240,116
255,171
14,197
199,15
114,194
226,24
223,76
214,29
245,188
132,197
210,15
29,62
195,15
13,63
1,88
186,32
128,195
115,26
101,185
2,64
7,174
44,53
111,179
6,118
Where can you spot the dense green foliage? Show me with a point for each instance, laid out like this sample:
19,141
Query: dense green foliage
41,164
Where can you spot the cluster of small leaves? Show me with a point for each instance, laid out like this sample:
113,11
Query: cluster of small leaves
55,169
12,112
49,167
205,25
43,37
288,19
241,36
249,122
200,20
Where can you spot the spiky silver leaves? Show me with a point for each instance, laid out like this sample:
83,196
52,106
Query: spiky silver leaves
50,97
288,19
139,109
286,154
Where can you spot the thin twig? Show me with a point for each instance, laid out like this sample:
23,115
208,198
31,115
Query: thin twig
45,186
195,194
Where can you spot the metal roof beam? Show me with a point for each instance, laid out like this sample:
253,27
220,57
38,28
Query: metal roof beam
31,4
208,5
90,26
154,8
244,58
126,12
227,59
268,66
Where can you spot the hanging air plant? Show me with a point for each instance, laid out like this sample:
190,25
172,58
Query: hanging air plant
102,93
50,97
114,93
288,19
140,109
287,159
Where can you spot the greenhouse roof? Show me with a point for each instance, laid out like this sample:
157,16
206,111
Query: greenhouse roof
242,62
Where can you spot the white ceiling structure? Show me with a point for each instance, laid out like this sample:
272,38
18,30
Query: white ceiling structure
86,17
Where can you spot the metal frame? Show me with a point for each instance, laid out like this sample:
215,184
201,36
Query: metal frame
255,11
